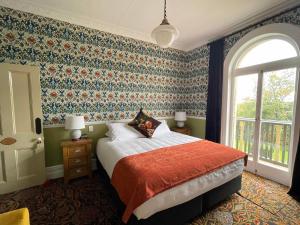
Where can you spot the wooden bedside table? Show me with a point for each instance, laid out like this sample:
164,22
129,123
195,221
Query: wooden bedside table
182,130
77,158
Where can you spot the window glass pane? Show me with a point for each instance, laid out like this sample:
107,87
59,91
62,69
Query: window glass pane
267,51
278,94
277,115
244,112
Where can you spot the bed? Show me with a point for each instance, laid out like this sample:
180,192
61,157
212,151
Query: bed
180,203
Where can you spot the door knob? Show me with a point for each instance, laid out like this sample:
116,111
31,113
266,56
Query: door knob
39,140
8,141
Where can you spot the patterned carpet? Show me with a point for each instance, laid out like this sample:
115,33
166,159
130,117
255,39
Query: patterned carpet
260,201
92,201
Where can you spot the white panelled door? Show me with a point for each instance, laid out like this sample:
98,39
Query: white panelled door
22,160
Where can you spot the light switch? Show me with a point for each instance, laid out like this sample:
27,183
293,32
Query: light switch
91,128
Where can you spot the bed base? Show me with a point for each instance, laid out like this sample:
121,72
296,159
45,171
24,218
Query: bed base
180,214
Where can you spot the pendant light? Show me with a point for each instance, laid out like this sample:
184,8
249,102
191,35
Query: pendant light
165,34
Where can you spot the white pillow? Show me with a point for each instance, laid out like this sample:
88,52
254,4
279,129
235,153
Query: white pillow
163,128
122,132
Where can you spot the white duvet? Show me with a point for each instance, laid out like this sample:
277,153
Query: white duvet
110,152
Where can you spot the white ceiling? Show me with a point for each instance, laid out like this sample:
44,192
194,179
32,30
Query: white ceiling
199,21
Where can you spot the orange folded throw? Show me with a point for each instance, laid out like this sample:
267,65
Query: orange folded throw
139,177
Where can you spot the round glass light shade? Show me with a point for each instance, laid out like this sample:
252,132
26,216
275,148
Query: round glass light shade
164,35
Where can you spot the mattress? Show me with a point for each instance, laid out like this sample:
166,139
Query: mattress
110,152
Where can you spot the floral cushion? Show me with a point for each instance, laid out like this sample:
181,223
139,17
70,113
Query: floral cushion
145,124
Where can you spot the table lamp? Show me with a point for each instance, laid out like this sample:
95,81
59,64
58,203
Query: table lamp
180,117
74,123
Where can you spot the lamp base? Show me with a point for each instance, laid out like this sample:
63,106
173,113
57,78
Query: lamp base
75,135
180,123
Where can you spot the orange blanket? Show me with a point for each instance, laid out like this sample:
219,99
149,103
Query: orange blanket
139,177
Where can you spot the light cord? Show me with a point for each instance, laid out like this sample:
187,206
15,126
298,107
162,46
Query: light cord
165,10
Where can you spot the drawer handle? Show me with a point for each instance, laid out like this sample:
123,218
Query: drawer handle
77,161
78,150
78,170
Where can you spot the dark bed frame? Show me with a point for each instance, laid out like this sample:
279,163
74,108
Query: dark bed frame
182,213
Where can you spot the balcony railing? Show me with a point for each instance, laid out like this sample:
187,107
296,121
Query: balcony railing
274,142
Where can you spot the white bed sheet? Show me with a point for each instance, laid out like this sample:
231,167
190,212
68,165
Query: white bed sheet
110,152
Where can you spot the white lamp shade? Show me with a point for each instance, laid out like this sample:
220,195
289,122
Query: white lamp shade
74,122
180,116
164,35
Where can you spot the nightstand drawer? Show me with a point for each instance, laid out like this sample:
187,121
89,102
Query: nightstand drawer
76,151
75,162
186,132
182,130
78,172
77,158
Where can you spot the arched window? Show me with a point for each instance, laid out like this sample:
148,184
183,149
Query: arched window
260,106
269,50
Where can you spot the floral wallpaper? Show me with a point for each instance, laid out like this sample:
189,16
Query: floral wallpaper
291,16
92,73
109,77
198,63
197,81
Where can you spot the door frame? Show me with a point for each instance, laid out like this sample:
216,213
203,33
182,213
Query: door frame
287,32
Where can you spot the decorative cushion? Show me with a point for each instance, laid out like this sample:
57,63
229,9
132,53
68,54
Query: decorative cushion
145,124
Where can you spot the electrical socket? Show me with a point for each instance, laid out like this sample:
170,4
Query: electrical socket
91,128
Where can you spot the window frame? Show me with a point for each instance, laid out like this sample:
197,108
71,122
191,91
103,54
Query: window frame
287,32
